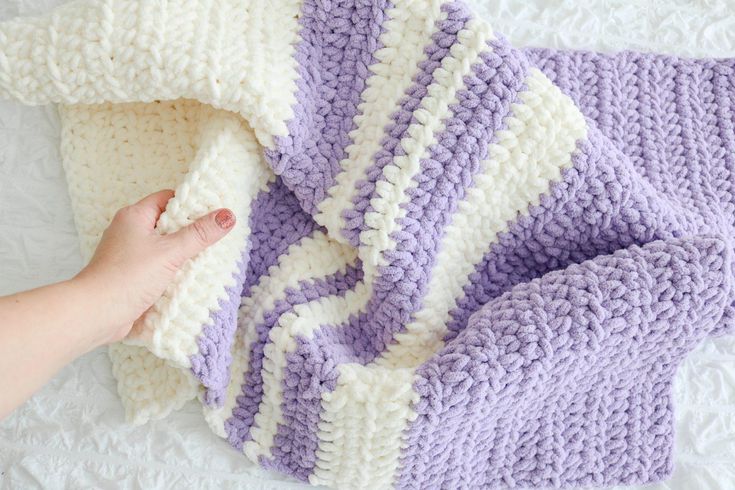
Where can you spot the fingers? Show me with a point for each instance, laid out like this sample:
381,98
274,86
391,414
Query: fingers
205,231
157,199
153,205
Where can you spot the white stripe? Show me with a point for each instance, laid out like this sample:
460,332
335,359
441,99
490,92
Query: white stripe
361,425
315,256
399,174
408,30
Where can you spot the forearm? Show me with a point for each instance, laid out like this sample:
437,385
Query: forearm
41,331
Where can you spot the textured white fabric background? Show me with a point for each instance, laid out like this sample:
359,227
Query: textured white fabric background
72,433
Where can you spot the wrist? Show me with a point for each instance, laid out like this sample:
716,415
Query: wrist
96,318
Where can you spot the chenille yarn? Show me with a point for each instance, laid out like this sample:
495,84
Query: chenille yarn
456,264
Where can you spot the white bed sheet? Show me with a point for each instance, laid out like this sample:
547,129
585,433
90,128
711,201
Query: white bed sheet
72,433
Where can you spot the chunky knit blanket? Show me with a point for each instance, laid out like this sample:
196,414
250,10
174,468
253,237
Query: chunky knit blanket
456,264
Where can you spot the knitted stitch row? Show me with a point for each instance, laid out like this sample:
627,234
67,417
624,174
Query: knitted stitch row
456,264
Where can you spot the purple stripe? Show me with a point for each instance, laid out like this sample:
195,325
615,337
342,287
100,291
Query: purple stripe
310,371
276,221
210,365
239,425
446,36
338,40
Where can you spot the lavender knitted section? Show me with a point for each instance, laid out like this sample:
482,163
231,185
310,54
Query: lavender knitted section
277,222
538,392
466,266
607,419
211,362
541,355
560,232
552,371
663,113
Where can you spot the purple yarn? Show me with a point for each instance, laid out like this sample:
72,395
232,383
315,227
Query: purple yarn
211,362
238,426
445,36
338,40
560,353
310,371
537,392
547,239
276,222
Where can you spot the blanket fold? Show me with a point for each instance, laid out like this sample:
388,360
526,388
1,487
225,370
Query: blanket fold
456,264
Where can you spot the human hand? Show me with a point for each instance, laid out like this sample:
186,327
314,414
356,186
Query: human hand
133,265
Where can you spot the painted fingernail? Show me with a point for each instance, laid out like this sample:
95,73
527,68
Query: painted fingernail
224,219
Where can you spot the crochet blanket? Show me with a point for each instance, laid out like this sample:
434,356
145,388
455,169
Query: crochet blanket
456,264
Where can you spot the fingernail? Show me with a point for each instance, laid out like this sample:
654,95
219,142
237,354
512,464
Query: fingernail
224,219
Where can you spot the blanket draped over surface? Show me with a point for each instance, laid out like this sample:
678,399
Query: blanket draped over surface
456,265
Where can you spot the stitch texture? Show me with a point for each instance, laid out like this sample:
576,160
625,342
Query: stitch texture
456,264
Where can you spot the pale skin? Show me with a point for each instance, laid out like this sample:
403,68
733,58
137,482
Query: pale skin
44,329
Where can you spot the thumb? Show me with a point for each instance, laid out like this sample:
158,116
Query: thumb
205,231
